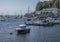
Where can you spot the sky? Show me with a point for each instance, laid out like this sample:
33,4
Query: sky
14,7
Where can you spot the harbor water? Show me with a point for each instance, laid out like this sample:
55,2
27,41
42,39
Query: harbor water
37,33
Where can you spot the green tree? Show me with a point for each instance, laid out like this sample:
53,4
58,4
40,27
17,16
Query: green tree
48,4
42,5
56,3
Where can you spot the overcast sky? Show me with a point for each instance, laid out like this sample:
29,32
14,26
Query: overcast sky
15,6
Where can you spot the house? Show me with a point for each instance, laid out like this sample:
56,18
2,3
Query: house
49,12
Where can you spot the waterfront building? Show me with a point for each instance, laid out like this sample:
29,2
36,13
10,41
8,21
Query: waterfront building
50,12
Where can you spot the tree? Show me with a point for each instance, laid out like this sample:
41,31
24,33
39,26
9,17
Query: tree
56,3
42,5
48,4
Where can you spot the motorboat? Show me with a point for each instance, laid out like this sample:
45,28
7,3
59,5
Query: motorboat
22,29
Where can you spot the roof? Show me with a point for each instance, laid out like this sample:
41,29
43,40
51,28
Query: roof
22,25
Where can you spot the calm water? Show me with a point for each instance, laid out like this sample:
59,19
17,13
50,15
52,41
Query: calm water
37,33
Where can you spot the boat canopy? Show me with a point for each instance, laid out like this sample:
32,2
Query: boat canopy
22,25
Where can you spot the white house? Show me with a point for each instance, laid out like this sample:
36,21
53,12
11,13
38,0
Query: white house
49,11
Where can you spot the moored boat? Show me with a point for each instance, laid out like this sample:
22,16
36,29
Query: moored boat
22,29
41,23
54,20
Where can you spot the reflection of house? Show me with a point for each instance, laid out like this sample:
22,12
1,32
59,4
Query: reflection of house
49,11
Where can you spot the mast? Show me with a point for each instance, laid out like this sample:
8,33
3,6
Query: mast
21,13
38,8
49,3
59,3
28,9
38,0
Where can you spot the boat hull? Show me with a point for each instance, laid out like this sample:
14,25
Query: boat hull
38,24
23,31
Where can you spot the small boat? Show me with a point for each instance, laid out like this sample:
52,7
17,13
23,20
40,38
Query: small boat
42,23
22,29
56,21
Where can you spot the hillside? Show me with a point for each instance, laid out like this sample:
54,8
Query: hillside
48,4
